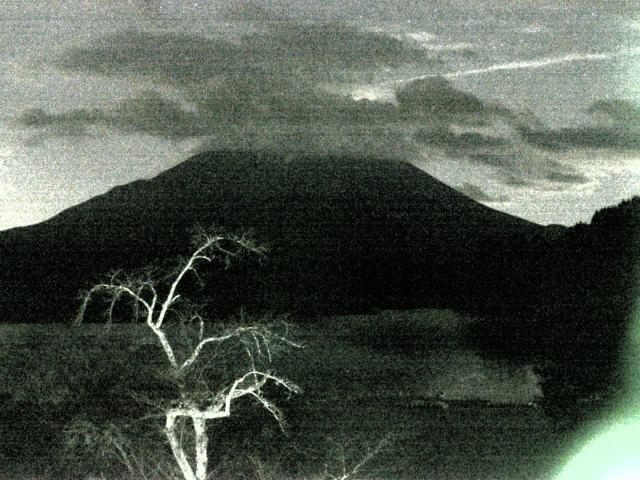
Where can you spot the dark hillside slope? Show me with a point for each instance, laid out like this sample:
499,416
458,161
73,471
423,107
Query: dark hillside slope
573,306
581,284
345,234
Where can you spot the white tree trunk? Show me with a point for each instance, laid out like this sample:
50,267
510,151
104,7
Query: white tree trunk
202,441
199,420
176,448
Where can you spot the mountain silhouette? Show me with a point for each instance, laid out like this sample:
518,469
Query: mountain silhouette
344,234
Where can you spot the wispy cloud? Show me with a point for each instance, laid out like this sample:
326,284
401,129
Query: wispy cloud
544,62
519,65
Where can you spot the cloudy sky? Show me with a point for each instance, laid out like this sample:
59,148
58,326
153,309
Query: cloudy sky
532,108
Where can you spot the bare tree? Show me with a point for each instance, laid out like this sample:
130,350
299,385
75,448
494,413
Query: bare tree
157,301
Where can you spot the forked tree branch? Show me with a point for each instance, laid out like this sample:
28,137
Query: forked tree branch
220,408
210,247
259,335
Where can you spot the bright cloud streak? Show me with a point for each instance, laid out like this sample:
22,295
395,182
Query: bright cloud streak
384,91
541,63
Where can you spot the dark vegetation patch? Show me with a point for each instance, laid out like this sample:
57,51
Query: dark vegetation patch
347,408
571,308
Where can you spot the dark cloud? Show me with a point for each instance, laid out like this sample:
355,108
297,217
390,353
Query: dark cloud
175,58
37,117
70,123
262,80
265,80
272,76
515,170
511,169
615,124
516,181
582,137
566,177
345,140
308,122
267,99
332,47
185,59
464,142
475,192
437,97
621,112
149,114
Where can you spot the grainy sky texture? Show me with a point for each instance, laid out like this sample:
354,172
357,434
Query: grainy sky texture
529,107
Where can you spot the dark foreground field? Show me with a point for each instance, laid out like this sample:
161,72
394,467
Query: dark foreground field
367,382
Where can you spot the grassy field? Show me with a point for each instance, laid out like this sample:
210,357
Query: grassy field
364,380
